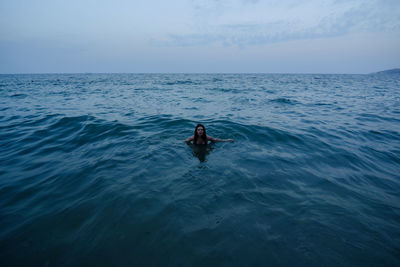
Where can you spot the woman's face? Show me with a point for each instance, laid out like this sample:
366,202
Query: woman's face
200,130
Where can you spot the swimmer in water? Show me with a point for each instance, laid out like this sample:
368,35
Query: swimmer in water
200,137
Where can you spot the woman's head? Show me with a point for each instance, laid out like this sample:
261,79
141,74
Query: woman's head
200,132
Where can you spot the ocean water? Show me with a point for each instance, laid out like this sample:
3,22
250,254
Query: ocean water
94,170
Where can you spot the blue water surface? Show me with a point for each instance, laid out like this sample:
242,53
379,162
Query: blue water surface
94,170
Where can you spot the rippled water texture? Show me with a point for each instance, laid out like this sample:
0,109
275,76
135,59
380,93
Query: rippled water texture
94,170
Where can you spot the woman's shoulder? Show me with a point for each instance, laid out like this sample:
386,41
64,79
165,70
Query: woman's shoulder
190,139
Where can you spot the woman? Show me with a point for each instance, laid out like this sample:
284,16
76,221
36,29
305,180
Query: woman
200,137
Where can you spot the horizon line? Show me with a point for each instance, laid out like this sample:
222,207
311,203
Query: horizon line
293,73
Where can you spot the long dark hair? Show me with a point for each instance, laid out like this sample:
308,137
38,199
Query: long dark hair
196,136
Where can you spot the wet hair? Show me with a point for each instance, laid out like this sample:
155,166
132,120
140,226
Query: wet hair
196,136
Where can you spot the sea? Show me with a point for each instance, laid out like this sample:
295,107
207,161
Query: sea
94,170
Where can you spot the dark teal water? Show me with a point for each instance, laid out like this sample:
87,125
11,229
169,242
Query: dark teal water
94,170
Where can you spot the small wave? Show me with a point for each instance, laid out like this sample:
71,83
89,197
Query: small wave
180,82
321,104
160,123
19,95
226,90
383,136
283,100
376,118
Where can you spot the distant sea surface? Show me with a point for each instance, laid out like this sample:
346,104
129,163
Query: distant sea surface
94,170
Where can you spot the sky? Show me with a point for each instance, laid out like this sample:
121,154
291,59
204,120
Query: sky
199,36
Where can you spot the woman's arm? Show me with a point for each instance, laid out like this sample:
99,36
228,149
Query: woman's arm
212,139
189,139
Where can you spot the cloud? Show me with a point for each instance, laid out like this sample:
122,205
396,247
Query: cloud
247,23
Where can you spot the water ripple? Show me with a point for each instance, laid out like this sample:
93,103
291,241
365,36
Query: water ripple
94,170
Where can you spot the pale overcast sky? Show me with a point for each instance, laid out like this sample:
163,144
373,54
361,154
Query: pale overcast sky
271,36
